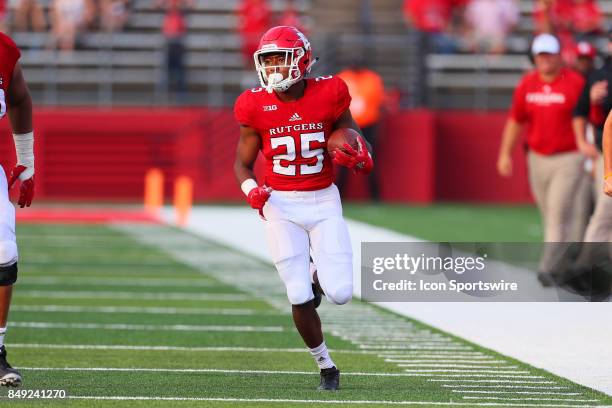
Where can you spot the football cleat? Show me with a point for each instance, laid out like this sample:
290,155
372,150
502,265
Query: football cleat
9,377
330,379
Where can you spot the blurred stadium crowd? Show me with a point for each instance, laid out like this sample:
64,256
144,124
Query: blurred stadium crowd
436,53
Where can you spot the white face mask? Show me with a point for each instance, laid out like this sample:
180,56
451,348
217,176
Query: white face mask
276,81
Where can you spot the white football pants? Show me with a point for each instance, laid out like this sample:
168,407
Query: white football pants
298,221
8,244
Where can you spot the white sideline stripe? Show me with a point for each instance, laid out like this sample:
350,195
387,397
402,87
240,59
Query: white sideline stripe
296,401
175,327
410,347
204,370
412,342
121,281
488,381
526,387
467,371
452,353
535,399
517,392
393,341
477,375
143,310
175,348
433,357
454,366
223,297
402,339
434,361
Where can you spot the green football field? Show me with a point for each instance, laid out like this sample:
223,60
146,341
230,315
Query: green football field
148,315
454,222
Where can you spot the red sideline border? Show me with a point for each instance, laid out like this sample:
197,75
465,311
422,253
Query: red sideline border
83,216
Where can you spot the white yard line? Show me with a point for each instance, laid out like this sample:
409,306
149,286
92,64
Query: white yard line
144,282
438,355
143,310
412,347
205,370
221,297
429,365
177,348
466,375
174,327
533,387
454,361
443,359
487,381
533,399
444,354
517,392
317,402
452,370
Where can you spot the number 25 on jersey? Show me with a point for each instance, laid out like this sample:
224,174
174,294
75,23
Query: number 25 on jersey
305,151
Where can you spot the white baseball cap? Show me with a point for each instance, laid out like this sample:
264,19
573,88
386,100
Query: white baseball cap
545,43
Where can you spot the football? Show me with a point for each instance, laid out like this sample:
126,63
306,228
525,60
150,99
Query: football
341,136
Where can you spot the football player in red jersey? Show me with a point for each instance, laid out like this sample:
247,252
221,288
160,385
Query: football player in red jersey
14,99
289,119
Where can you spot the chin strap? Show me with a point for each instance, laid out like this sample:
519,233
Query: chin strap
314,61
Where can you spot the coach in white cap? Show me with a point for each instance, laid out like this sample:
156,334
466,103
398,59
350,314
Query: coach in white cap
543,102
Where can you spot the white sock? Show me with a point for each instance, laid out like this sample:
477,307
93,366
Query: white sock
321,356
2,333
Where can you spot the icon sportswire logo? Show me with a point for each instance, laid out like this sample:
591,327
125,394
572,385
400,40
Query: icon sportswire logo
295,117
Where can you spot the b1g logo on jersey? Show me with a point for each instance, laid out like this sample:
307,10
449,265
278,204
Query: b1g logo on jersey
269,108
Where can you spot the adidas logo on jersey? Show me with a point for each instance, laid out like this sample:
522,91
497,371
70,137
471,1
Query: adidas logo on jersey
295,117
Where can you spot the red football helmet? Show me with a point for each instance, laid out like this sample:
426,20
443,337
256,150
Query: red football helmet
298,57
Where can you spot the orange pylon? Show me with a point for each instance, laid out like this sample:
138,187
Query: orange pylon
154,191
183,199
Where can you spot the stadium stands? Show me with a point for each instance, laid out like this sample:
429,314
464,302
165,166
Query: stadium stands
126,67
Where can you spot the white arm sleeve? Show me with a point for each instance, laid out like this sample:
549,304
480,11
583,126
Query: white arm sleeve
247,185
24,148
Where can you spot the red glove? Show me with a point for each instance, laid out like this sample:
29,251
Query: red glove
359,160
258,196
26,190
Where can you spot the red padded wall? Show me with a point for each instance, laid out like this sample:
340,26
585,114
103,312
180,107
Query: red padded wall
96,154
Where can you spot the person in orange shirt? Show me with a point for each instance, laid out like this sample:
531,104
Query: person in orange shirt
367,90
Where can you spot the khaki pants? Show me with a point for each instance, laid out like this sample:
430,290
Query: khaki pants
600,224
555,181
584,205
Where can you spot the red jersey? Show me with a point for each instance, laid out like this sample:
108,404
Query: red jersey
294,134
547,108
9,54
429,15
586,17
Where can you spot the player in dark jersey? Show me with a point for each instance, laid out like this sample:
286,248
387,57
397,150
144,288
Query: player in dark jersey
14,100
289,119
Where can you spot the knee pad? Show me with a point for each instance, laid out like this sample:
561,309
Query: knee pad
8,274
295,274
8,253
340,295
